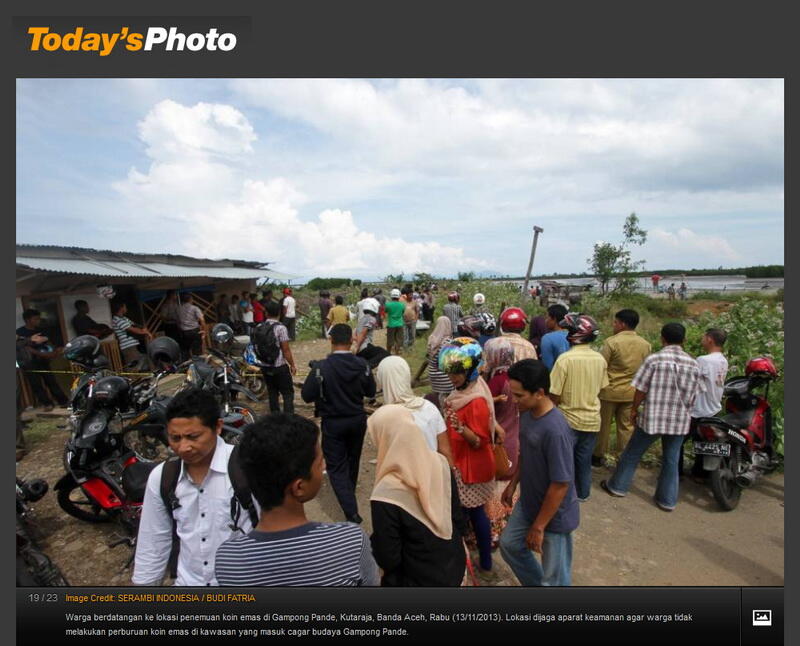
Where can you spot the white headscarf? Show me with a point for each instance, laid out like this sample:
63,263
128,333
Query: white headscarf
393,376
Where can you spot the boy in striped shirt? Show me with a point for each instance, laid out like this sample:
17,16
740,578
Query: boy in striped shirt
282,460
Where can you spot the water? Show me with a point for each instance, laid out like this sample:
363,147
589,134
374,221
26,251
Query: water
694,283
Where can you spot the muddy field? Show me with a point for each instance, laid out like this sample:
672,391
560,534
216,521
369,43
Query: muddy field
621,541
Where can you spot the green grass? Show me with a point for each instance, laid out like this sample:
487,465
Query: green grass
40,429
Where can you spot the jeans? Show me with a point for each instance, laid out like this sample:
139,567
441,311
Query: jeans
290,322
410,331
556,566
584,445
667,488
279,382
342,441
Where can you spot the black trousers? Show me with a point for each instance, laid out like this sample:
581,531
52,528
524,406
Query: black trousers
38,381
191,342
279,382
342,440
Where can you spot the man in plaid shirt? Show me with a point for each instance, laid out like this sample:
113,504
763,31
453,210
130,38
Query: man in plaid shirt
667,382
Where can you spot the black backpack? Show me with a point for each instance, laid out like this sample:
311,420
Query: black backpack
265,343
241,499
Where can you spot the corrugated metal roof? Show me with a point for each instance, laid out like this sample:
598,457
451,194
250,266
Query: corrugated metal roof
116,269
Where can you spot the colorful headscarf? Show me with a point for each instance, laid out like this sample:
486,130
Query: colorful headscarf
462,354
498,353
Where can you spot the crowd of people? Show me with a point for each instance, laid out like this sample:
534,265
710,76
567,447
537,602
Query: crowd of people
499,454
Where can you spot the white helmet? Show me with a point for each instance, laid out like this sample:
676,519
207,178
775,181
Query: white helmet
395,293
371,305
479,299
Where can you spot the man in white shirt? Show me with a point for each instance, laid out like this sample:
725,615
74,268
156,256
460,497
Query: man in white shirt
193,326
713,370
289,312
203,492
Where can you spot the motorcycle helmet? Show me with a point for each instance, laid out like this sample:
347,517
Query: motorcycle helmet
112,392
395,293
513,319
462,355
371,305
164,350
761,367
470,326
581,328
479,299
488,323
222,336
83,349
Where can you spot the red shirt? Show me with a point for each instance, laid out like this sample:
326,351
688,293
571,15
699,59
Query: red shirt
475,465
259,313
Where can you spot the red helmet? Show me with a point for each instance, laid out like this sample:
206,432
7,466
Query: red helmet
762,367
513,319
287,291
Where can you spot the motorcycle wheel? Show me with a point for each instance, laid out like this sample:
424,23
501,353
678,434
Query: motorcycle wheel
246,412
256,386
35,569
723,483
146,447
73,500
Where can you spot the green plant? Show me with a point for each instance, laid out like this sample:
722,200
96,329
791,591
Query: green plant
614,261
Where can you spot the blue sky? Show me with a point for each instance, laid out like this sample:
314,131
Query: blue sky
362,178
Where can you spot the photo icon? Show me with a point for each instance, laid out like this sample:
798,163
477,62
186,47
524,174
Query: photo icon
762,617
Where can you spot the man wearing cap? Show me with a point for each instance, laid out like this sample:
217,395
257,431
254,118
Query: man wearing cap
578,376
394,322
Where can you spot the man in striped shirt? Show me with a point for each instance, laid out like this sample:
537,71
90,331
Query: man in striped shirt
667,383
282,461
128,345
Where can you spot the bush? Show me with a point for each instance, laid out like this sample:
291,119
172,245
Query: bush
316,284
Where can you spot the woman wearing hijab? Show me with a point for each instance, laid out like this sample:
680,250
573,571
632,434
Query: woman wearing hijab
416,516
538,329
498,355
442,333
469,413
393,377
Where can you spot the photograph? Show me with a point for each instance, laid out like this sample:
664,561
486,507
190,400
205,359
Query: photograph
395,332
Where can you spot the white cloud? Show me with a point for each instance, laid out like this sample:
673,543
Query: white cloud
688,244
196,178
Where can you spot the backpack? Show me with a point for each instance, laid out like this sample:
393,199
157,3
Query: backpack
265,343
241,499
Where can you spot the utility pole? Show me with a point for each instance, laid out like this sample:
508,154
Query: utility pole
536,232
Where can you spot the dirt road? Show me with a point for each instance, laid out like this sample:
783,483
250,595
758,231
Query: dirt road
620,541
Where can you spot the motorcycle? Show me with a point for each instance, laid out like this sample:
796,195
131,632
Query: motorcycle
34,567
98,463
736,448
224,382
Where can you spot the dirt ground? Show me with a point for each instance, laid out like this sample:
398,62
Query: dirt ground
620,541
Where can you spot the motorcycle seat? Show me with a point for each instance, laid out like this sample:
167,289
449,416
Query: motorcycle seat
739,419
134,480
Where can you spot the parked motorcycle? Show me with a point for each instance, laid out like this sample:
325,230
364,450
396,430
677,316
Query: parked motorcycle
97,462
34,567
737,447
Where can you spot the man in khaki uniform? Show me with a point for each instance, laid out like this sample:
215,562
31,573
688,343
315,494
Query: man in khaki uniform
624,352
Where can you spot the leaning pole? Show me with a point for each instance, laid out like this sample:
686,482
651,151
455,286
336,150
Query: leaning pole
536,231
